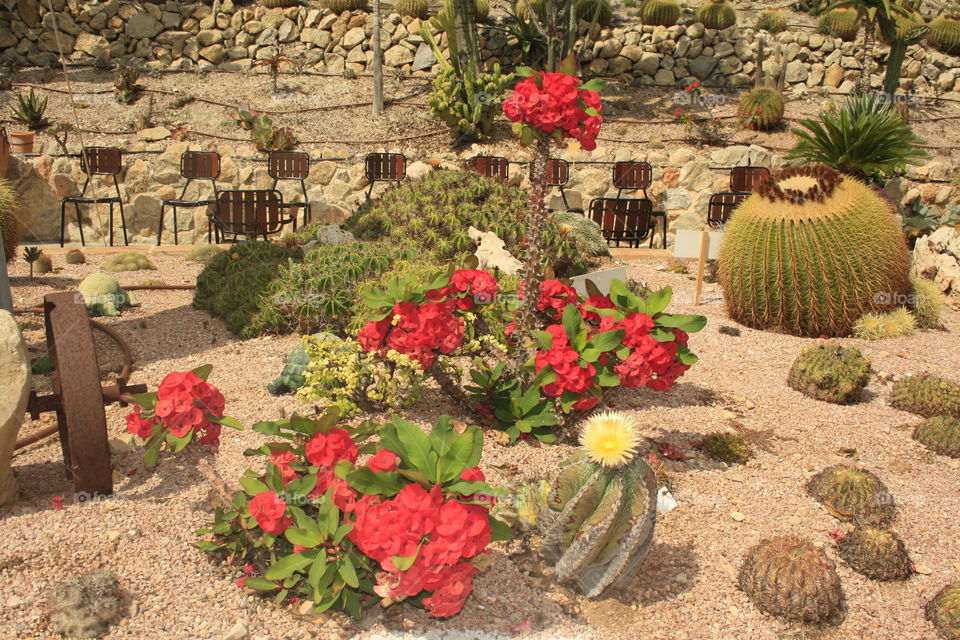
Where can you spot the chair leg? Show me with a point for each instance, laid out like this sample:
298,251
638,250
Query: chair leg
160,225
176,237
111,223
123,224
63,216
563,195
307,213
370,189
83,242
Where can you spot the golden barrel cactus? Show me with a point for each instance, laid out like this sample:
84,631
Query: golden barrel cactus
810,252
10,226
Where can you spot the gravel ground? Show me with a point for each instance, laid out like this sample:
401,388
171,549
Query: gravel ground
685,591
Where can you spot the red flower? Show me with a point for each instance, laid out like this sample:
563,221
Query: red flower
326,449
137,425
448,600
343,496
268,509
385,460
473,474
372,334
282,460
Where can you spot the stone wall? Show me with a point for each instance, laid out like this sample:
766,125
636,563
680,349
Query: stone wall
188,36
682,183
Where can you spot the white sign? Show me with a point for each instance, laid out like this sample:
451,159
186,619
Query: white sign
600,278
687,244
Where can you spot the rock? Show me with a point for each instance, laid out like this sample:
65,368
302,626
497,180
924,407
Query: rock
123,443
237,632
664,77
647,64
937,257
696,176
143,25
676,199
702,66
94,46
329,234
153,134
796,72
736,515
316,37
353,37
633,53
424,58
209,36
15,387
397,56
215,53
734,156
834,76
492,252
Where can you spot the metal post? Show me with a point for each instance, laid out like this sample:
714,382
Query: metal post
377,63
6,298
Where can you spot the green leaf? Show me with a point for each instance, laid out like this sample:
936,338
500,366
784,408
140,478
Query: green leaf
402,563
606,341
383,483
463,453
302,537
419,453
594,84
568,65
523,72
347,572
390,440
269,428
152,453
590,354
260,584
203,372
572,322
226,421
286,566
177,444
658,301
302,486
252,486
465,488
442,435
544,339
499,530
688,323
607,379
146,400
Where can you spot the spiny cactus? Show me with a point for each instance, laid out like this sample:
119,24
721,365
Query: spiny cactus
731,448
763,107
522,9
587,9
75,256
880,326
911,28
928,303
599,517
522,511
664,13
43,264
202,253
830,373
790,578
584,233
849,493
840,23
339,6
772,20
467,122
416,8
84,606
943,611
481,9
292,378
717,14
129,261
810,252
271,4
945,34
10,225
940,434
926,395
875,552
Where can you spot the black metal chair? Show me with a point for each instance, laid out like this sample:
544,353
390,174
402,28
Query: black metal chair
491,166
631,176
194,165
292,165
96,161
558,174
251,213
747,179
629,220
721,207
385,167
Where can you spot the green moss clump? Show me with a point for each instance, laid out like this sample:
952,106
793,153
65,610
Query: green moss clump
727,447
128,261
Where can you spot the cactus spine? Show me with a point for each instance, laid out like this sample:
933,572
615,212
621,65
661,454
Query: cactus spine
599,516
772,20
877,553
926,395
945,34
840,23
830,373
717,14
810,252
664,13
763,106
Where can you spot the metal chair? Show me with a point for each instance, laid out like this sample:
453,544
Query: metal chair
96,161
385,167
558,174
628,220
747,179
631,176
194,165
292,165
721,207
250,213
491,166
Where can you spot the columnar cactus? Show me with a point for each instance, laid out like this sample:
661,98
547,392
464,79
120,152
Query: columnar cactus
664,13
940,434
852,493
877,553
945,33
926,395
830,373
810,252
789,577
599,515
717,14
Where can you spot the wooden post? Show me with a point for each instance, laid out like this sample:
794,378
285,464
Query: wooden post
377,63
701,265
6,298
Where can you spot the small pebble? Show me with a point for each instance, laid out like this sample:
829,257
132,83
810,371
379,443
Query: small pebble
736,515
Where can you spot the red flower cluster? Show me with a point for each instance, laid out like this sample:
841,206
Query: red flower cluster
269,511
467,287
442,534
551,101
184,401
323,450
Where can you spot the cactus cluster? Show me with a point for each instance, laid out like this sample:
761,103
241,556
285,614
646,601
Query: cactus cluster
830,373
771,20
600,512
10,226
84,606
129,261
851,493
467,121
944,33
810,252
840,23
763,106
664,13
339,6
415,8
928,303
790,578
940,434
717,14
272,4
877,553
103,296
926,395
75,256
731,448
587,9
583,233
880,326
943,611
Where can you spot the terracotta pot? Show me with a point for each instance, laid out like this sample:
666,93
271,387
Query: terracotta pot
21,141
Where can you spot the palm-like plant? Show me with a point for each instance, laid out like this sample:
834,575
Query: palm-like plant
273,63
863,138
29,111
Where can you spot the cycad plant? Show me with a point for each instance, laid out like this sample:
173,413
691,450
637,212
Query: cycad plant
863,138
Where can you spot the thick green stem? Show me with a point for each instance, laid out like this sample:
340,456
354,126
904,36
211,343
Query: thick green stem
891,81
453,390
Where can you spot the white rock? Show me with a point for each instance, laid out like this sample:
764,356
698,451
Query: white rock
14,391
492,252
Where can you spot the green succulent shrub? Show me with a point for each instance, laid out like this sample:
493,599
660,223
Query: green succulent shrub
731,448
590,9
129,261
863,138
840,23
830,373
415,8
717,14
30,111
664,13
232,284
10,225
810,252
771,20
926,395
432,215
763,107
940,434
467,121
75,256
880,326
944,33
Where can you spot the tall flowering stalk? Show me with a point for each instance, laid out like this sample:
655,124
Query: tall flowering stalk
547,108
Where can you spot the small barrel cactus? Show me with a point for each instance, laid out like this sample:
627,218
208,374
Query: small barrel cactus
663,13
784,267
790,578
928,302
731,448
43,264
880,326
852,493
830,373
522,9
599,516
876,552
944,611
129,261
926,395
103,296
10,224
339,6
481,9
944,33
717,14
772,20
416,8
272,4
840,23
940,434
75,256
587,9
762,107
